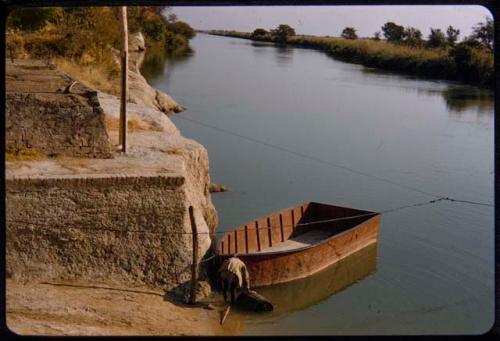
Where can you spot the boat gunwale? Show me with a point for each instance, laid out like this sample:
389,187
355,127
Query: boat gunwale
295,250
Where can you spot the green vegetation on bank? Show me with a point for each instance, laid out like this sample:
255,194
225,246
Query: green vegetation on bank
84,41
403,50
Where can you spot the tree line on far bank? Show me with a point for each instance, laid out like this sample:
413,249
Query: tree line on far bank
481,37
441,55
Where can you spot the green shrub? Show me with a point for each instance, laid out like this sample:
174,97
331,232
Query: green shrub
259,32
436,38
155,28
181,28
282,32
349,33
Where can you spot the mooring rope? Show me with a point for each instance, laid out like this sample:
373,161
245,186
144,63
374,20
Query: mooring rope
249,228
328,163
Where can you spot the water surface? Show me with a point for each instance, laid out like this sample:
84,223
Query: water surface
434,267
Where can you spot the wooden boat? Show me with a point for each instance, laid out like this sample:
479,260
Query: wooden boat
300,241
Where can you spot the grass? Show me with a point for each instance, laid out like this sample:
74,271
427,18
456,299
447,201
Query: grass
99,73
420,61
93,75
72,164
21,153
133,124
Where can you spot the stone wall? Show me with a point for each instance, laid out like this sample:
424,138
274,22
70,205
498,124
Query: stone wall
118,229
39,115
57,124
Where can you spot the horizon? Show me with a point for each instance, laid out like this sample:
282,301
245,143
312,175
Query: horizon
317,20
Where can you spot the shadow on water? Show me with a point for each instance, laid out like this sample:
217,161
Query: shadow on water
301,294
262,44
155,61
284,55
458,97
462,98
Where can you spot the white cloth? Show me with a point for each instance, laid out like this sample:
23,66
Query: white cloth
233,269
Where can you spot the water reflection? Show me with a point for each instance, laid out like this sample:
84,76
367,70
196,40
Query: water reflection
259,47
262,44
461,98
284,55
458,97
387,74
300,294
155,61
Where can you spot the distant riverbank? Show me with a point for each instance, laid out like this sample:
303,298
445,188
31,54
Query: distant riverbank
475,67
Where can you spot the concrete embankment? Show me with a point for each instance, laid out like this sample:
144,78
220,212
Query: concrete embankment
116,219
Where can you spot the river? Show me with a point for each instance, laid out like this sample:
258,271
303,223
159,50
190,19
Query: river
284,126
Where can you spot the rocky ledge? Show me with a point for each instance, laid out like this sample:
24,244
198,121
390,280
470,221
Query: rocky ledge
140,92
72,217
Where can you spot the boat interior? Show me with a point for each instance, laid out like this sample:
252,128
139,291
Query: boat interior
290,229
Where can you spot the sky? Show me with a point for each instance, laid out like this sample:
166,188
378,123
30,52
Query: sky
331,20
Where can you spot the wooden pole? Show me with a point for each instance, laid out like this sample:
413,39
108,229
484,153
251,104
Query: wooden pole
225,315
194,268
124,81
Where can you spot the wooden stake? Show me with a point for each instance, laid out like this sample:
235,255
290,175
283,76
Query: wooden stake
124,81
225,315
194,268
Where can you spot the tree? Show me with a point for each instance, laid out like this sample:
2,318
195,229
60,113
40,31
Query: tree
155,28
393,32
182,28
436,38
471,42
452,35
32,19
483,32
259,32
412,37
376,35
282,32
349,33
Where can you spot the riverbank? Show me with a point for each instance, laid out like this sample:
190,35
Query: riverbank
52,239
97,309
476,67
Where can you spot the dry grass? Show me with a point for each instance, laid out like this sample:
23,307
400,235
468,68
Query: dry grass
99,73
366,46
21,153
72,164
133,124
93,75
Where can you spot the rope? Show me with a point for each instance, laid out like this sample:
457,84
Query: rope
364,214
313,158
265,227
209,258
305,156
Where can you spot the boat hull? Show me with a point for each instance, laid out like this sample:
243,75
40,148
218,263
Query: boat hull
278,267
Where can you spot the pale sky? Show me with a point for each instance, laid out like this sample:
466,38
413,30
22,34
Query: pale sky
330,20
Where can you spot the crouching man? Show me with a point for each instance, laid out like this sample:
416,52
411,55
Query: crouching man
233,274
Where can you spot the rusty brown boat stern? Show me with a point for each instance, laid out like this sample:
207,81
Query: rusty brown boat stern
299,241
